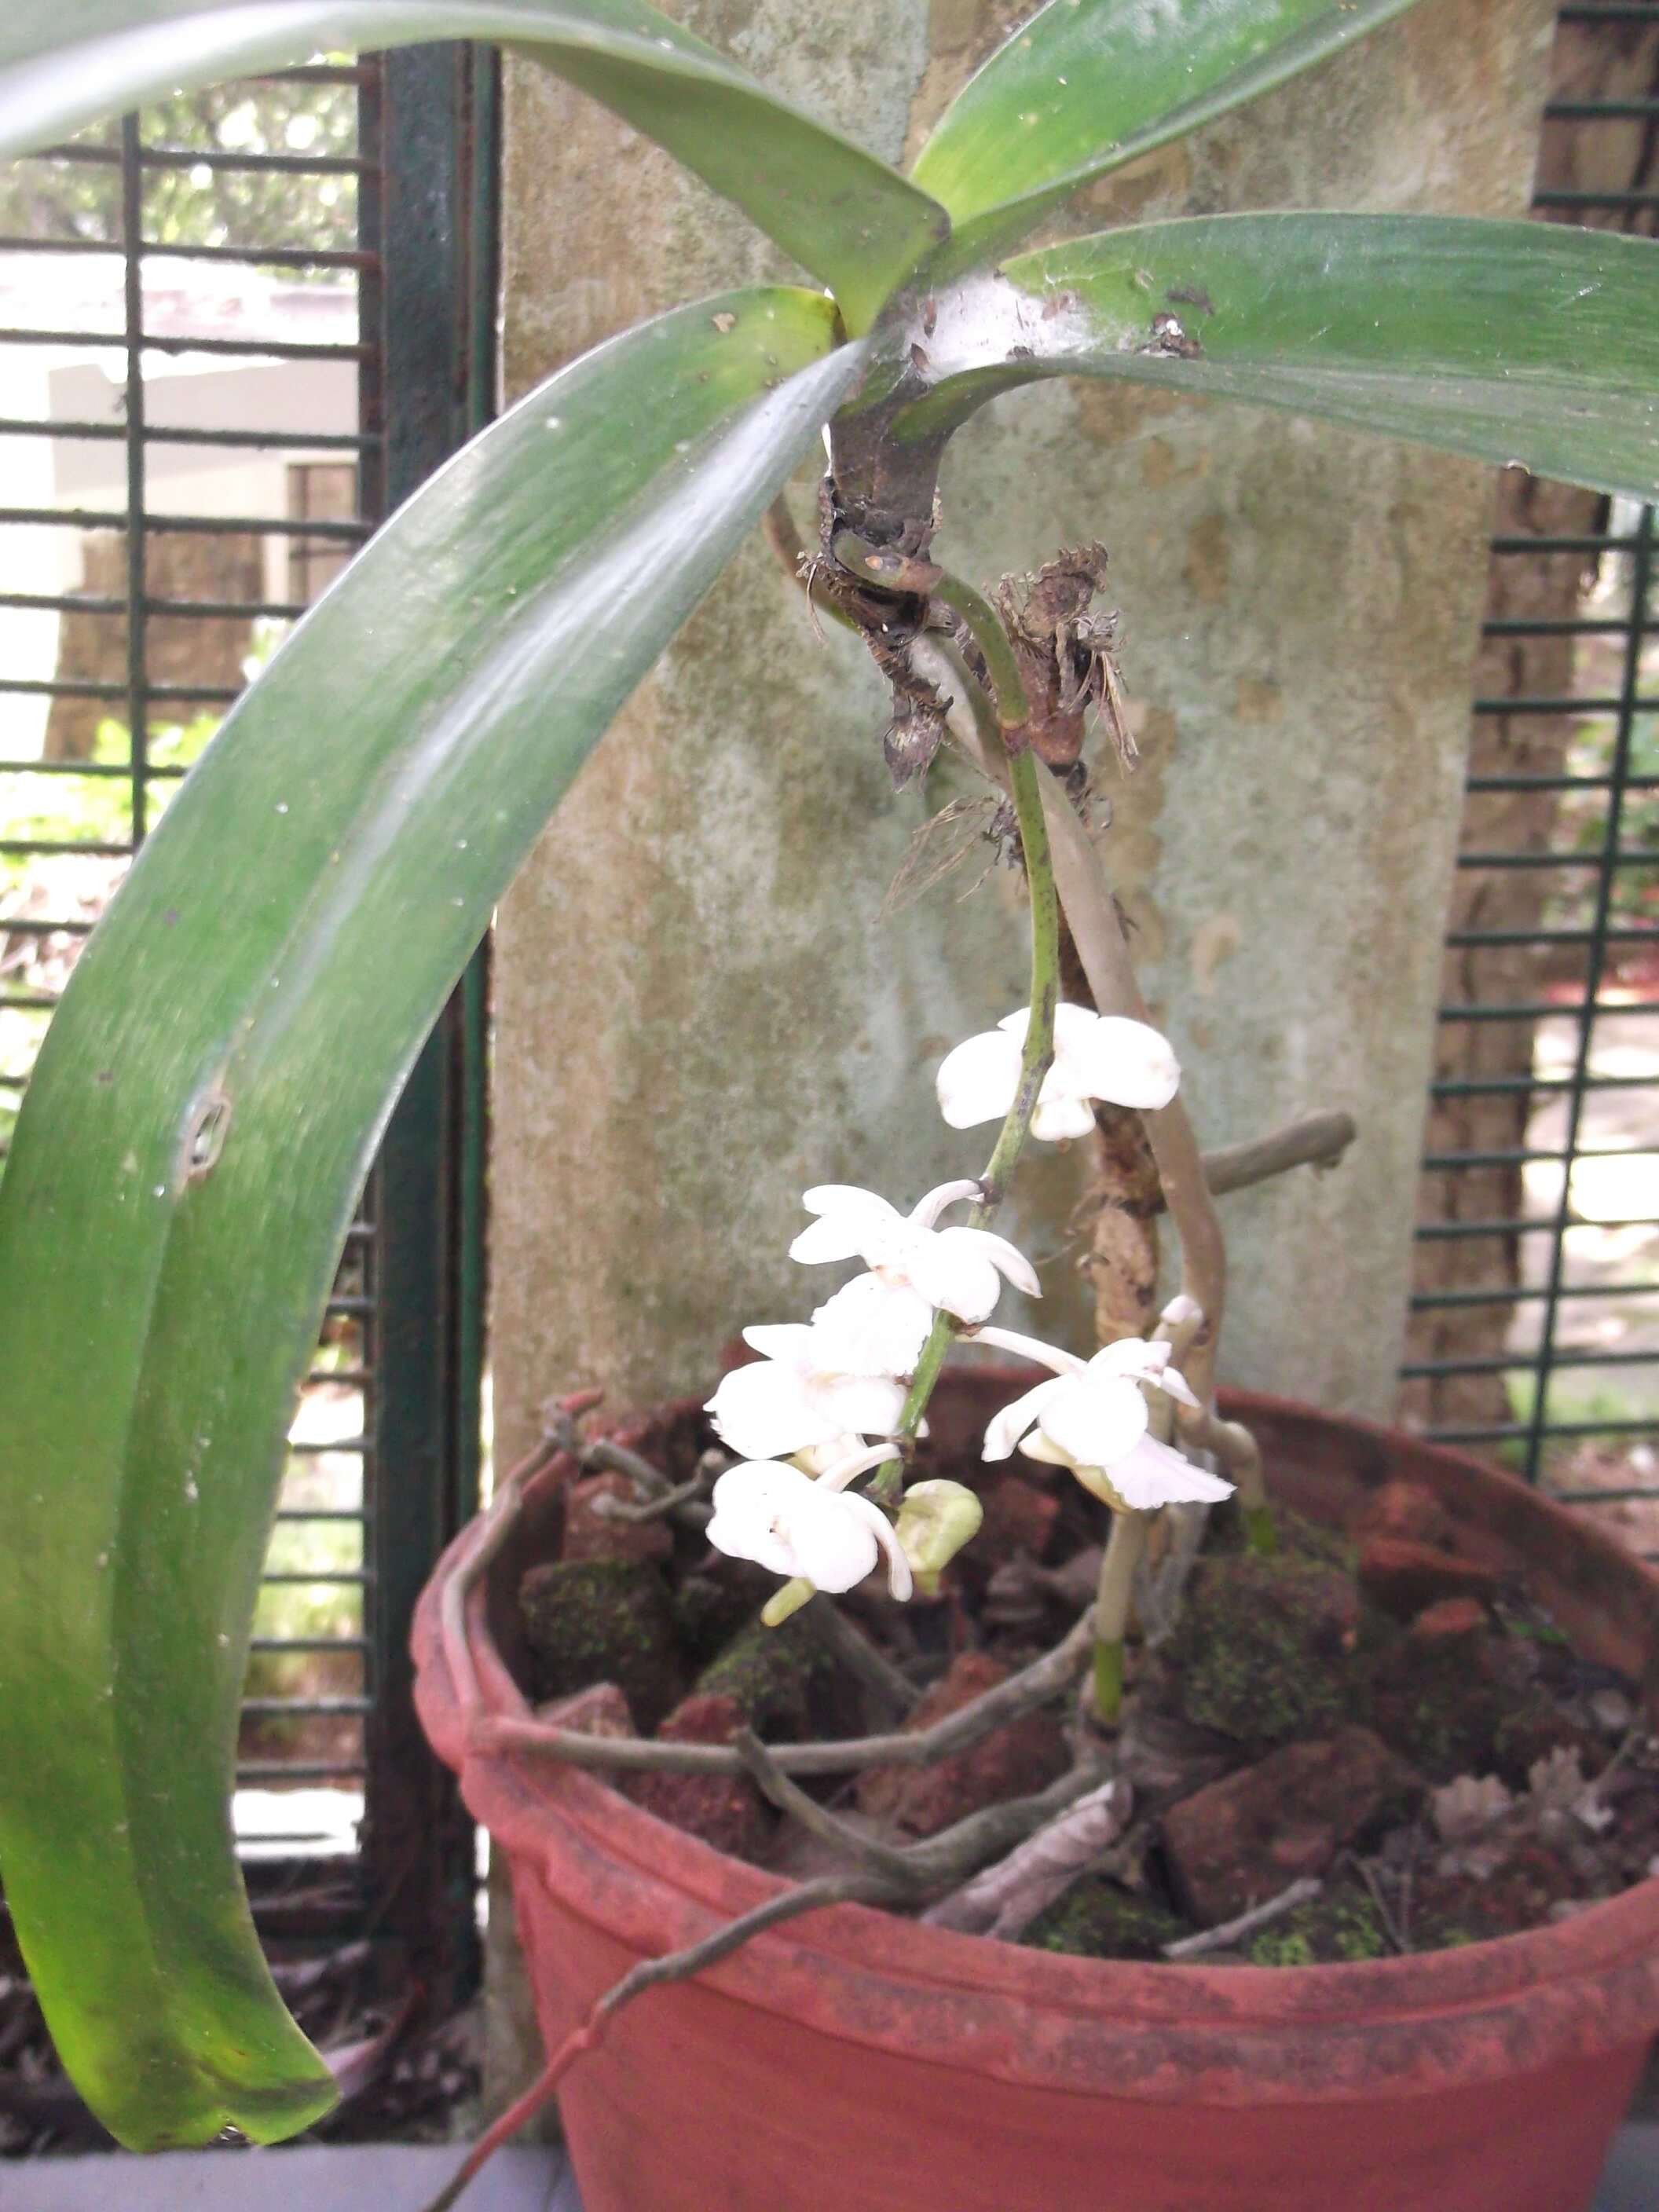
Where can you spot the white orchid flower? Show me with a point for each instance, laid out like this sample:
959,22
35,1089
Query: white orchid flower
818,1459
1096,1056
873,1328
1091,1416
782,1519
956,1270
805,1392
1148,1475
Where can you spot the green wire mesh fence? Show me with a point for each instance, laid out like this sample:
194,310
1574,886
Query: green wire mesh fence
1535,1325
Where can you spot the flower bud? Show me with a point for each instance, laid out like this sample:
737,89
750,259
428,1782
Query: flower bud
936,1519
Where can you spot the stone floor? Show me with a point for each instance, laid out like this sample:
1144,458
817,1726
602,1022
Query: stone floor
395,2177
1630,2183
387,2177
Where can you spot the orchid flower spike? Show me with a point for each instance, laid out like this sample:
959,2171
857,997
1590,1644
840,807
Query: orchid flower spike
808,1389
1092,1418
957,1271
782,1519
1096,1056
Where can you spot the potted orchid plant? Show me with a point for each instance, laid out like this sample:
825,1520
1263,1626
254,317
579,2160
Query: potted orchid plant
232,1041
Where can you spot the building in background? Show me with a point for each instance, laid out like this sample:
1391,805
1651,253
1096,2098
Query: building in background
75,380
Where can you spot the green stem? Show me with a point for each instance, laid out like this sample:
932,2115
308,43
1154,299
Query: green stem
1114,1589
1241,1458
1108,1679
1261,1534
1097,929
1117,1579
1039,1053
1013,708
788,1598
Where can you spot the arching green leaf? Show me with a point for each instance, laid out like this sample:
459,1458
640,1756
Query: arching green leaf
846,216
1505,341
205,1106
1088,85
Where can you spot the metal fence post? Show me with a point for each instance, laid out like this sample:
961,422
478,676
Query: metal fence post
436,211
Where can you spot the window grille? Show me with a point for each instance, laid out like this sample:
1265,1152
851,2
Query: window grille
1534,1326
205,404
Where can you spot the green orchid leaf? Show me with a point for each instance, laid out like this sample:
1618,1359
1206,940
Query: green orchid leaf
846,216
1088,85
1508,342
206,1104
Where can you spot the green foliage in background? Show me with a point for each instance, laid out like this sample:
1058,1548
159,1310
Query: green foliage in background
201,204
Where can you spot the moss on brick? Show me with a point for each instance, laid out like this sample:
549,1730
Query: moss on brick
786,1682
1340,1927
1097,1919
601,1620
1258,1653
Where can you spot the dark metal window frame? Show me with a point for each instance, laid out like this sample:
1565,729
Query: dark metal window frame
426,177
436,209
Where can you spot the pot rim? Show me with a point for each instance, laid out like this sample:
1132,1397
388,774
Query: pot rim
1584,1984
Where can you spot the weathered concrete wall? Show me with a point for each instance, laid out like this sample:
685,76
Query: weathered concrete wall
698,1012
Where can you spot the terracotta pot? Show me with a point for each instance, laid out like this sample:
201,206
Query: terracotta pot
857,2061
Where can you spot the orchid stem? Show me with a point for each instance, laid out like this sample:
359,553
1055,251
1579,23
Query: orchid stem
984,624
1108,1679
1117,1579
1241,1457
1261,1530
1039,1055
1097,932
1034,1063
1119,1563
788,1598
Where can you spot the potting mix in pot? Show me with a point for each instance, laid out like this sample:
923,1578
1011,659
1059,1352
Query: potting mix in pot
1335,1744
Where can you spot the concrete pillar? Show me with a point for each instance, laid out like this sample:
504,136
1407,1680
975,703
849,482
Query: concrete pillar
699,1008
